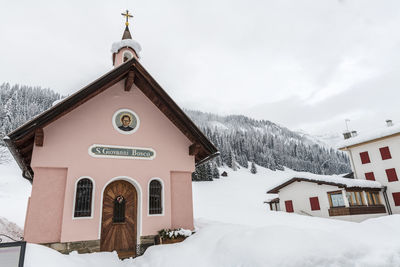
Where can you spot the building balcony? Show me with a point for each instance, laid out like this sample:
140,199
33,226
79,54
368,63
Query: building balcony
356,210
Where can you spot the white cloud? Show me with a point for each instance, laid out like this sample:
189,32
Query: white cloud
268,59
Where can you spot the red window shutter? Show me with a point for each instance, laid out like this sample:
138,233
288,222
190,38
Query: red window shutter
370,176
364,157
314,203
391,175
289,206
385,153
396,198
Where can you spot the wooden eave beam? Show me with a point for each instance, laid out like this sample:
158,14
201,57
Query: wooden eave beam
26,139
194,149
39,137
129,80
26,149
27,160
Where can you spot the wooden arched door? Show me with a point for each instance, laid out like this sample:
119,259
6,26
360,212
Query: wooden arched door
119,219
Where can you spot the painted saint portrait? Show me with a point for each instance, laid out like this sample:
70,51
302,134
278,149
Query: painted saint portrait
125,121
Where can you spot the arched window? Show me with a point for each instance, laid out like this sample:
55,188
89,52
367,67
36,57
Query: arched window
83,198
119,209
155,200
127,56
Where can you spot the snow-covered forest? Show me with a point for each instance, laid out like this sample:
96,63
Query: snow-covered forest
19,103
239,139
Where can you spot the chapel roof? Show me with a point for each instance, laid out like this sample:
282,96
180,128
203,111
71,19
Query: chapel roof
21,141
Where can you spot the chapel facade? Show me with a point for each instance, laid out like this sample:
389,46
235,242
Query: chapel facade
110,165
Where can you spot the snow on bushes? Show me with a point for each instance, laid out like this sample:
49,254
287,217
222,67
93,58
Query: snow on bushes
174,233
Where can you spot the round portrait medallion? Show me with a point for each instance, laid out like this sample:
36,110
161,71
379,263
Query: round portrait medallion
125,121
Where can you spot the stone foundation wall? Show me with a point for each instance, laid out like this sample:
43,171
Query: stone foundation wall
94,245
145,242
80,246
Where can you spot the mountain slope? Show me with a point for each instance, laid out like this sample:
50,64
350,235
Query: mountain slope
241,139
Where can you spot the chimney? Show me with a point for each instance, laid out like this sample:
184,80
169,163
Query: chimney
353,133
347,135
389,123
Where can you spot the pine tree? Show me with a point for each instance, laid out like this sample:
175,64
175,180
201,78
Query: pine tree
230,159
215,173
209,172
253,169
218,161
195,176
245,161
202,172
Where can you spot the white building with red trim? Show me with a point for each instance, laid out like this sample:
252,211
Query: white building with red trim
330,197
375,156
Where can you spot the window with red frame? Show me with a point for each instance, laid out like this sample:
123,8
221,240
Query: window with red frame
365,157
314,202
391,175
396,198
385,153
370,176
289,206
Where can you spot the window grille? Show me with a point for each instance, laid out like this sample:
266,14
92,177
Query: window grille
155,206
119,209
83,199
336,199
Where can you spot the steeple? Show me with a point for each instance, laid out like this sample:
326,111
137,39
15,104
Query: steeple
127,48
127,33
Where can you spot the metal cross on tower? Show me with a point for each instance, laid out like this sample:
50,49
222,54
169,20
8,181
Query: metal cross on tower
127,16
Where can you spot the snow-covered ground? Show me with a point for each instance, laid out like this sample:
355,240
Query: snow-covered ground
234,228
14,193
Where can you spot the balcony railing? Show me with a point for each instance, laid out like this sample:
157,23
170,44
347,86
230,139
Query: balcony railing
355,210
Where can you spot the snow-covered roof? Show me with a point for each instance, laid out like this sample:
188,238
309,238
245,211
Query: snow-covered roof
272,198
57,101
369,136
116,46
334,180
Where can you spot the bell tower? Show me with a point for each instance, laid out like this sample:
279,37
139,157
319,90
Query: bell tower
127,48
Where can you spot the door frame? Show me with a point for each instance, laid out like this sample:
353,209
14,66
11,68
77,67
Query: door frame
139,208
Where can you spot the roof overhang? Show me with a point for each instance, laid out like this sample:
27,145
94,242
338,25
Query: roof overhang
345,147
276,189
21,141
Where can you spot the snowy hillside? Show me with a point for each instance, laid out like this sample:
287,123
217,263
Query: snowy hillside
241,139
19,103
234,228
328,140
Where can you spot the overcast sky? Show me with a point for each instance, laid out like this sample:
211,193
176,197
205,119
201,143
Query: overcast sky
304,64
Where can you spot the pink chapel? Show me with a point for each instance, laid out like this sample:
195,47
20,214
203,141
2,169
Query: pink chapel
111,164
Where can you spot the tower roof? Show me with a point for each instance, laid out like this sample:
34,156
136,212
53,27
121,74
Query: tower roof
126,34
